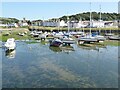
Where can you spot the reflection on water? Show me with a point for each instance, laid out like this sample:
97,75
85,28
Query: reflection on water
37,65
66,49
55,49
92,47
10,53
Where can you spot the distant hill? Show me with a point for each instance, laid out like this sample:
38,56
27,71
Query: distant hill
77,17
95,16
8,20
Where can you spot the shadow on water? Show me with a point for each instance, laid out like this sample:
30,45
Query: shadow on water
95,46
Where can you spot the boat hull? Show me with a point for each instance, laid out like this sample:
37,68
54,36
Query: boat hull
114,38
68,41
56,44
10,44
10,47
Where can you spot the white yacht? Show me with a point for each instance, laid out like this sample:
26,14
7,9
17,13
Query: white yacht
68,40
10,44
100,38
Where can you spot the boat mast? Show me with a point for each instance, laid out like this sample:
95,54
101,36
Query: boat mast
43,22
90,18
68,23
81,23
100,21
58,24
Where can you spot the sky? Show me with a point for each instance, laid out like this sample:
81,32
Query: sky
48,10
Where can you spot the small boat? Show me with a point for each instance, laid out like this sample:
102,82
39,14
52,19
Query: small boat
68,34
80,33
10,44
77,36
91,39
55,42
21,34
109,34
43,36
114,38
58,35
68,40
49,34
100,38
35,35
73,33
39,32
87,39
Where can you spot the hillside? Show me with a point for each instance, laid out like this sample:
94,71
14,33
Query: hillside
8,20
95,16
76,17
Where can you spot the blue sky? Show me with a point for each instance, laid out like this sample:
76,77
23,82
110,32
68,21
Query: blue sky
47,10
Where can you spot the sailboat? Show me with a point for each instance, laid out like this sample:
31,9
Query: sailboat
58,34
67,39
114,37
88,38
55,42
99,37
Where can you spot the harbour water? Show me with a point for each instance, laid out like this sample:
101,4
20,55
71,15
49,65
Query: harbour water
36,65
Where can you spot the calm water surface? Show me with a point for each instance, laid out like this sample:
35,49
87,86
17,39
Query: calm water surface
39,66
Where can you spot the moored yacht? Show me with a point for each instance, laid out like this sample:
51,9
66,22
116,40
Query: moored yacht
10,44
114,38
58,35
87,39
68,40
55,42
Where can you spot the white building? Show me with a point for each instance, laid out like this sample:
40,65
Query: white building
62,23
76,24
73,24
16,25
3,25
108,24
53,23
23,22
98,24
50,24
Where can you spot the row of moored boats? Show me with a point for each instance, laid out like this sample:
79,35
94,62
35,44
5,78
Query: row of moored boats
65,38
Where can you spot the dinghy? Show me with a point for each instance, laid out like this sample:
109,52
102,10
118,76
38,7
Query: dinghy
10,44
